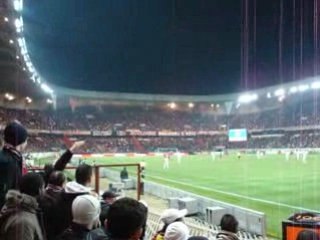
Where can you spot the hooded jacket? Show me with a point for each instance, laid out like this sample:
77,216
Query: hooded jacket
18,218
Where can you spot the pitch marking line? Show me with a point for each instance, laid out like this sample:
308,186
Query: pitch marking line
236,195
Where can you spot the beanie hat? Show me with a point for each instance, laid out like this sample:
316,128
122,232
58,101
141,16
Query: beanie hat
15,134
177,231
170,215
85,209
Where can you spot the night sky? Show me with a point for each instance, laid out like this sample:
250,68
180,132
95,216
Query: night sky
167,46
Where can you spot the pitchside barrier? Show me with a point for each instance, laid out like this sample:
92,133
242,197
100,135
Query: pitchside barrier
249,220
101,170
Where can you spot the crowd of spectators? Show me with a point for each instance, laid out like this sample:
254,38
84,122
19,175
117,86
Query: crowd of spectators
53,143
46,206
158,119
116,119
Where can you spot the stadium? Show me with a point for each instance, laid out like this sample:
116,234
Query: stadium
254,154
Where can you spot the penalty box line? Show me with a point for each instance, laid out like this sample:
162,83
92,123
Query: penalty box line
235,194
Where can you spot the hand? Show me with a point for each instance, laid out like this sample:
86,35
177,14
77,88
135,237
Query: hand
76,145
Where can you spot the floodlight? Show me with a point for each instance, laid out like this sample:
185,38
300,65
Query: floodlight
212,105
11,41
279,92
268,95
46,88
6,19
293,89
172,105
49,101
18,23
17,4
9,96
247,98
29,100
303,88
281,98
17,57
191,105
315,85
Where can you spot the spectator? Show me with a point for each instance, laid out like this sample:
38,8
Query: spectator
85,212
169,216
197,238
108,198
51,203
83,180
61,163
124,174
229,228
177,231
18,217
126,218
308,235
12,165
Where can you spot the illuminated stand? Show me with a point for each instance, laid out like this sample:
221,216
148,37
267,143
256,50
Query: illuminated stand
299,222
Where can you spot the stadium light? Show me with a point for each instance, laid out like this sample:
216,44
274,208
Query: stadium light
18,23
281,98
268,95
49,101
17,57
191,105
293,89
247,98
303,88
17,4
9,97
11,41
315,85
212,105
29,100
24,69
218,105
172,105
279,92
6,19
46,88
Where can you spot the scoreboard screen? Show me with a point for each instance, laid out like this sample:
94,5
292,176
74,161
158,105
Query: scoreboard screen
238,135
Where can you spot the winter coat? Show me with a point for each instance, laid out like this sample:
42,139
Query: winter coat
225,235
18,218
56,205
11,163
75,232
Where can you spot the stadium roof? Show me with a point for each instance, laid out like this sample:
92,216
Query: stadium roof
277,91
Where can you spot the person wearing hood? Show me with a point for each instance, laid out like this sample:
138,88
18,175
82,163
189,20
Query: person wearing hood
82,181
168,217
20,214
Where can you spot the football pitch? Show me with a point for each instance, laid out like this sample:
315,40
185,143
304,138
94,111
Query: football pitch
271,184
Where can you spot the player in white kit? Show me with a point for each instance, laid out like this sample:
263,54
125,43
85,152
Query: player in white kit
166,161
287,154
179,156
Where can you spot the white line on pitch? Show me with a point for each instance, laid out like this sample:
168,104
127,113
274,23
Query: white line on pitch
236,195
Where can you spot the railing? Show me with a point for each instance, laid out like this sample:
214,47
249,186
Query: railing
97,173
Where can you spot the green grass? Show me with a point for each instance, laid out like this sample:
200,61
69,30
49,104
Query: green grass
270,178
